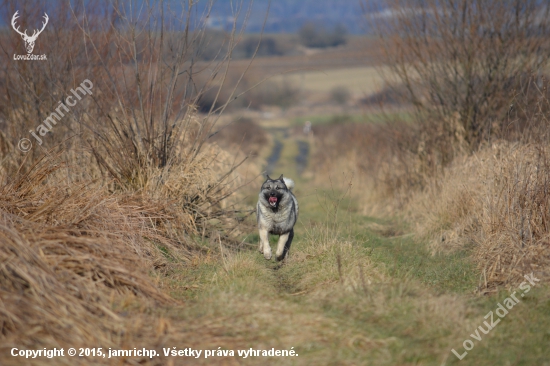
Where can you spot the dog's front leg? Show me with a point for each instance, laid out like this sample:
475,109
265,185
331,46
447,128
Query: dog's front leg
264,244
283,245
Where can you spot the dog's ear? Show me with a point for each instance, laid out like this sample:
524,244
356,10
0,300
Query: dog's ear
281,177
267,177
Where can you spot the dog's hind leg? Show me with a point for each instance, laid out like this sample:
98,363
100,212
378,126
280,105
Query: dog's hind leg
264,244
283,246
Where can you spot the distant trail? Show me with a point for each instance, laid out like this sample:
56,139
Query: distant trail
281,134
303,154
274,157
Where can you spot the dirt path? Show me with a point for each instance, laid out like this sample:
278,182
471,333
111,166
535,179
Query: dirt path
273,159
350,293
302,157
282,136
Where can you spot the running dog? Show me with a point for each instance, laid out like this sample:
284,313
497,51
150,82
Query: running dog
276,213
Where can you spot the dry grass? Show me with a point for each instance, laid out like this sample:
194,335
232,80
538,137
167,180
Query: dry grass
75,256
331,301
67,253
496,203
371,154
92,237
492,202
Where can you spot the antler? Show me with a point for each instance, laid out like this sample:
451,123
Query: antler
13,25
43,26
24,34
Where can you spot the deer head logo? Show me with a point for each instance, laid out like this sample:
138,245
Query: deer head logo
29,40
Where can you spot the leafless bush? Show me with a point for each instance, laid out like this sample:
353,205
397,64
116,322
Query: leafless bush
142,114
99,223
272,93
31,90
317,36
243,134
254,45
340,94
462,63
140,127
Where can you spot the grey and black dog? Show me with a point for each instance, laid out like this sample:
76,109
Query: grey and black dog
276,213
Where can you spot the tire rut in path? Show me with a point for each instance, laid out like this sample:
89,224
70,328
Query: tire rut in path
273,159
302,157
282,282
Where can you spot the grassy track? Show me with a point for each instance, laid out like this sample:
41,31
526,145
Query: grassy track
356,291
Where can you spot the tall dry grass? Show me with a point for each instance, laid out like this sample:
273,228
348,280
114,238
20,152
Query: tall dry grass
82,264
68,253
242,134
490,201
495,204
377,157
139,131
125,191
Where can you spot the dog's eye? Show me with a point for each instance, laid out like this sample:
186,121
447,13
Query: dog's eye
278,187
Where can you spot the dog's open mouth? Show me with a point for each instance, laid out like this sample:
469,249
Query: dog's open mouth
273,201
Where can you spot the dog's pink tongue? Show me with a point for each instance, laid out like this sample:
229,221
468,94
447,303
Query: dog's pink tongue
272,199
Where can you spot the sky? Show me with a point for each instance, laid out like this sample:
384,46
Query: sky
285,16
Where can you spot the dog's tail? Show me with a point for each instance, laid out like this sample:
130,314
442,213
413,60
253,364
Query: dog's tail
289,183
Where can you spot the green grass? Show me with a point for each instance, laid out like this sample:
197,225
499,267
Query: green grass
520,338
406,258
355,290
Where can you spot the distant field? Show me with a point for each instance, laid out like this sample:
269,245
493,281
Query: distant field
315,72
360,81
358,52
352,118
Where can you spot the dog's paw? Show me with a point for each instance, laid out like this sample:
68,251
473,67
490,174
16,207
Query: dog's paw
280,257
267,255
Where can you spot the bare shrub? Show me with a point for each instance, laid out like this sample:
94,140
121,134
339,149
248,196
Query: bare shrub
136,189
255,45
283,94
140,127
156,122
340,95
243,134
142,112
462,63
317,36
357,151
31,90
